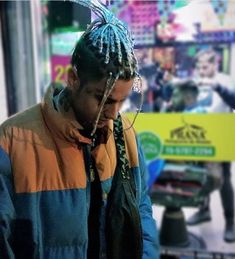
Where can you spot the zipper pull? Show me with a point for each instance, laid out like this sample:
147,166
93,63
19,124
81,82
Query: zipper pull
92,174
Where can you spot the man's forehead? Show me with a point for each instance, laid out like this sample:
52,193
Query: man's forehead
203,64
93,86
205,58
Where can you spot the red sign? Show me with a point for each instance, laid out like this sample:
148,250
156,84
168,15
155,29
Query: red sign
59,67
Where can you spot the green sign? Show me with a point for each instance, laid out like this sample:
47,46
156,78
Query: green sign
151,144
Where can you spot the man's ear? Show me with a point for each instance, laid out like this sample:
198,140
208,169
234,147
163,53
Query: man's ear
73,80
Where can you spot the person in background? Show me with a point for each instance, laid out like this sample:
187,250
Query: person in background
217,94
167,81
152,88
72,172
163,90
217,89
225,94
184,97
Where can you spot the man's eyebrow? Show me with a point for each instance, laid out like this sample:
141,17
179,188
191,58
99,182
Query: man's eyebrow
101,93
114,100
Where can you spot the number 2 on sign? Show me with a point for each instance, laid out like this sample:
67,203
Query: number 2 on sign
61,72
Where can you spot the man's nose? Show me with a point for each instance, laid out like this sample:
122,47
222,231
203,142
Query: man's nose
202,72
111,111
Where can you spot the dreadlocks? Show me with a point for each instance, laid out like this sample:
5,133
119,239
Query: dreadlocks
109,41
105,50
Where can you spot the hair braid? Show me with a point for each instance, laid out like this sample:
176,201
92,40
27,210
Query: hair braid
105,50
110,41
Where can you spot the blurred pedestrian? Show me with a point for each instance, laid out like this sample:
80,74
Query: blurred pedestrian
184,97
217,89
217,94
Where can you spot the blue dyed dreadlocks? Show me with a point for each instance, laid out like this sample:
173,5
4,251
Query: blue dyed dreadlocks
105,50
110,41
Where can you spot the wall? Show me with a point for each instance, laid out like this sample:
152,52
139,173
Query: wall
3,99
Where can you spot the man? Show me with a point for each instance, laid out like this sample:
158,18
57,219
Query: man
217,90
217,94
184,97
72,173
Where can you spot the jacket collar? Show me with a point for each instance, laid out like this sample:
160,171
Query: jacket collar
62,122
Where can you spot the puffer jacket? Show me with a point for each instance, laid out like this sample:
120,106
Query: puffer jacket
44,188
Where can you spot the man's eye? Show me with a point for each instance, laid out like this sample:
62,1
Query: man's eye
109,101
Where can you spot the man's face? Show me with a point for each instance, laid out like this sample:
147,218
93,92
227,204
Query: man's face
205,67
177,100
86,101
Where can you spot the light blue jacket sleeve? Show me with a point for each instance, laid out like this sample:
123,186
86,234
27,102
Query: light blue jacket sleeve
6,206
151,248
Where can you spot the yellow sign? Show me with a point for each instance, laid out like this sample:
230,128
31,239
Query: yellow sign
183,136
